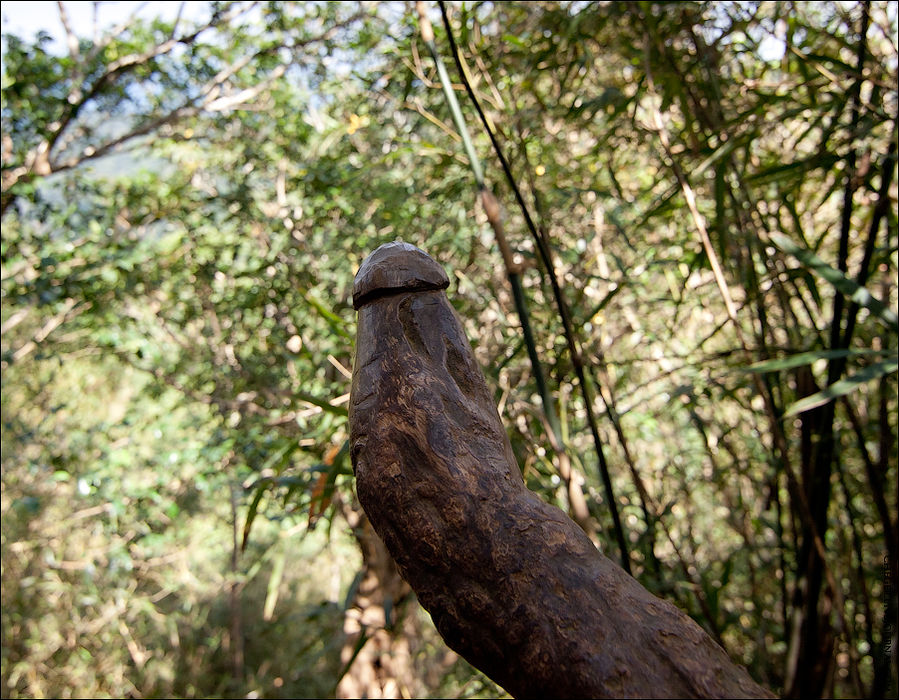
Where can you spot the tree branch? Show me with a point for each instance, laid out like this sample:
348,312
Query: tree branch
512,583
71,39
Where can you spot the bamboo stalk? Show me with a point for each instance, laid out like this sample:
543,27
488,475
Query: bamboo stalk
493,211
512,584
564,313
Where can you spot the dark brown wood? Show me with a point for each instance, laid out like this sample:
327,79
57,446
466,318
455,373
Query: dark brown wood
511,582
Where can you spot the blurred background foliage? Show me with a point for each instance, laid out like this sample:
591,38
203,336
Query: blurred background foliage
185,203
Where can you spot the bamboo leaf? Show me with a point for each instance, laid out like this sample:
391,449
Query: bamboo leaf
351,591
274,583
321,403
333,320
363,638
605,301
843,284
280,457
251,516
797,169
807,358
843,387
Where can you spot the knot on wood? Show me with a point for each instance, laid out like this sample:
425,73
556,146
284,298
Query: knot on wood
393,268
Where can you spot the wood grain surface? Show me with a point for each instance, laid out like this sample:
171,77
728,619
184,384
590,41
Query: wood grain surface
511,582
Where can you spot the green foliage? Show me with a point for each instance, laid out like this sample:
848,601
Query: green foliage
181,226
115,548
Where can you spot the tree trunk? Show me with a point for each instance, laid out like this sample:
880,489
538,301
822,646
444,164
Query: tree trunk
512,583
376,655
811,654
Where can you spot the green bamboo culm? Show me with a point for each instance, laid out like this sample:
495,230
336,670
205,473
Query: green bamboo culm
545,255
511,269
427,35
513,273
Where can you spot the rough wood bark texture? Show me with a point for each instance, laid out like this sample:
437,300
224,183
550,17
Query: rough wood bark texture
383,668
511,582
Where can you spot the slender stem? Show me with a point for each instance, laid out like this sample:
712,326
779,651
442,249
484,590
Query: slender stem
881,209
807,507
540,239
513,273
427,34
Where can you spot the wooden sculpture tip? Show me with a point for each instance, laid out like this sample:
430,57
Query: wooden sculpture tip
393,268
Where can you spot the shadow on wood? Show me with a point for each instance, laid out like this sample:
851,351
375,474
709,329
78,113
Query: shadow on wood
511,582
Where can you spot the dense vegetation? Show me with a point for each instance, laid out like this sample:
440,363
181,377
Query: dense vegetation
185,204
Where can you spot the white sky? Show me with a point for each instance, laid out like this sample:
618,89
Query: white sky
25,19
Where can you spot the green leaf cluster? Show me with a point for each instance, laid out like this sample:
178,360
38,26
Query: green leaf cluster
184,208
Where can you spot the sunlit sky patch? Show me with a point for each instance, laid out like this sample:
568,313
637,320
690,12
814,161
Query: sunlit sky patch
25,19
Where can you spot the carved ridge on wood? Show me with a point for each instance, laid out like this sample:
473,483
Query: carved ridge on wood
512,583
395,268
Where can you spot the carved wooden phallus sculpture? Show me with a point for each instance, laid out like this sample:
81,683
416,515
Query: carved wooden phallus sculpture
512,583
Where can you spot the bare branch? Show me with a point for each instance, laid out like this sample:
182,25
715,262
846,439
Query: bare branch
78,97
177,19
51,325
92,153
13,321
41,162
102,43
96,21
227,102
498,568
71,39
